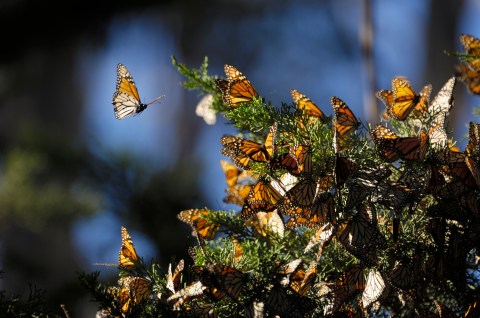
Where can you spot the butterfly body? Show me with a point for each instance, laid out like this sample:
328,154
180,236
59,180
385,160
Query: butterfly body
126,100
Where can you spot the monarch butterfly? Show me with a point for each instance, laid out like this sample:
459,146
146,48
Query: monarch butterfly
231,172
192,291
322,236
403,276
473,145
237,194
438,109
126,100
220,280
344,120
203,228
267,223
277,300
302,281
443,101
391,147
374,287
364,181
303,156
320,212
243,151
360,237
473,152
133,289
173,280
469,77
264,196
344,167
302,194
231,279
353,279
285,161
306,106
290,267
437,136
237,89
402,99
127,258
471,46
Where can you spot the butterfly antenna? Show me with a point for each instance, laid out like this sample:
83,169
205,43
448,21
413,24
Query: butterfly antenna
156,99
105,264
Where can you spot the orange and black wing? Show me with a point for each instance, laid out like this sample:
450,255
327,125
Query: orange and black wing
345,120
471,44
126,100
202,227
237,89
128,257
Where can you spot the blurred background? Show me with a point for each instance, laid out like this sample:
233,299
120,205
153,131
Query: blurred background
71,174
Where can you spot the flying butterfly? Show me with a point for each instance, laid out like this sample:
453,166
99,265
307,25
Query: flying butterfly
345,121
471,44
126,100
469,77
402,99
237,89
243,151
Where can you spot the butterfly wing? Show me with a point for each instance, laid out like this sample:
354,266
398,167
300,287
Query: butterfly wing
469,77
471,45
405,99
197,219
306,105
237,89
126,100
127,258
345,120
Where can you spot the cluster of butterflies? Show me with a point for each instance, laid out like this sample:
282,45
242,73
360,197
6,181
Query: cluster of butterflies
420,166
469,71
344,200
